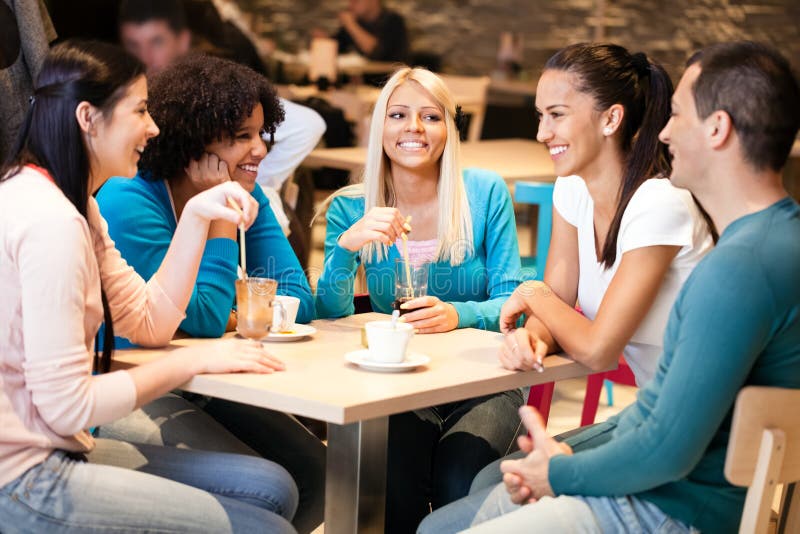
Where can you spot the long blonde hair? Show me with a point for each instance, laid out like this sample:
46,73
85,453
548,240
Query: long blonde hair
454,223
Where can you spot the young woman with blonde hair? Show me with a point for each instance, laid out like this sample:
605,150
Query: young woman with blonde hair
462,221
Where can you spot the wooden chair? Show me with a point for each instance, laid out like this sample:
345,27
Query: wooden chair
764,451
471,93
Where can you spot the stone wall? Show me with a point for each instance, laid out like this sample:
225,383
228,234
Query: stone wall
465,33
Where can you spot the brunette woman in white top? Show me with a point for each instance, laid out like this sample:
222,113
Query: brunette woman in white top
60,277
624,239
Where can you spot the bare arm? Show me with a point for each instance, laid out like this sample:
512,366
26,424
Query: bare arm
630,295
525,347
553,321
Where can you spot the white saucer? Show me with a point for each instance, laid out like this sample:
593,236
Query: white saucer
361,358
297,331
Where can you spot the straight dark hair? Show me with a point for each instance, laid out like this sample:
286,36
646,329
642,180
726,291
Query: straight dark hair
754,84
143,11
50,137
612,75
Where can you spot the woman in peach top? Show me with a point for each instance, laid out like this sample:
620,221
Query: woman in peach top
60,277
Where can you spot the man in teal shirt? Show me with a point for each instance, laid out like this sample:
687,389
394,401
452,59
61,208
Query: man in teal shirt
658,465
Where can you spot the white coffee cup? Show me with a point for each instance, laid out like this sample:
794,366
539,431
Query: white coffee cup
387,343
284,319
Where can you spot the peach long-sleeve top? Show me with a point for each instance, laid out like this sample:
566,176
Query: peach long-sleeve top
51,264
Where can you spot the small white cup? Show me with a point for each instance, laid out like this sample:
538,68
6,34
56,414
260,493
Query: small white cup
387,344
285,316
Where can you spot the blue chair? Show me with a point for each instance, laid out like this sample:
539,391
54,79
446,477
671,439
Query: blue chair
539,194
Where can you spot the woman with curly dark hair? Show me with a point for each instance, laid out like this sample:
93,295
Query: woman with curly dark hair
212,114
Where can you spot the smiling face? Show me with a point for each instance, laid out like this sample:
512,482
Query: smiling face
245,151
684,134
414,129
121,136
569,125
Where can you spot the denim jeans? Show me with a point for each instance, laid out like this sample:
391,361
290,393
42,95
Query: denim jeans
162,489
490,510
434,453
225,426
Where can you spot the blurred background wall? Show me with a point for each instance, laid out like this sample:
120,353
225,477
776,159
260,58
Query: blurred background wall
465,32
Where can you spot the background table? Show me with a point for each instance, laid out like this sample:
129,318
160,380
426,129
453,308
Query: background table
513,159
318,383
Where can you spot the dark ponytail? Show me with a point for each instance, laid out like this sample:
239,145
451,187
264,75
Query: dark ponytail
611,75
51,138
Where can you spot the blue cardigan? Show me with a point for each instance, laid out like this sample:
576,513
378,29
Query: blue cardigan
477,288
141,222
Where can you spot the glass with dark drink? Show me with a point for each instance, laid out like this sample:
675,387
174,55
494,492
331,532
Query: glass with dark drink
411,281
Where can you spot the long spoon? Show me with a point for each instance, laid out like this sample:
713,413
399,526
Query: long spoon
410,288
242,253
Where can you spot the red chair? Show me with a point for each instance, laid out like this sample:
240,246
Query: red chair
541,396
594,383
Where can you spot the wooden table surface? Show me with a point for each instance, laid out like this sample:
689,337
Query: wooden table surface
319,383
513,159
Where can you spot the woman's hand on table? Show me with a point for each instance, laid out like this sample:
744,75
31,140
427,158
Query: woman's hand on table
215,204
231,356
522,350
429,315
207,171
527,479
378,224
520,303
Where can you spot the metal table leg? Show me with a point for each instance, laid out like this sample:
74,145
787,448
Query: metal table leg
355,484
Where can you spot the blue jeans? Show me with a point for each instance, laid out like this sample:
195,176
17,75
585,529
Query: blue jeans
434,453
159,489
490,510
224,426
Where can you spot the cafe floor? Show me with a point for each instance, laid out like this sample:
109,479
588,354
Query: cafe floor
565,410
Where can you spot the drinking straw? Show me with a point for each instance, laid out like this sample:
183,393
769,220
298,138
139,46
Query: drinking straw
410,288
242,253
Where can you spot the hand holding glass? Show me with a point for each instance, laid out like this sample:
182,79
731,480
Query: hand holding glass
411,281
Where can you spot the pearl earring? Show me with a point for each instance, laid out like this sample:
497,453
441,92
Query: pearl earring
607,130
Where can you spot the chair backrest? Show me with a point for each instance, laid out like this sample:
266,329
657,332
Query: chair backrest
764,450
470,92
540,194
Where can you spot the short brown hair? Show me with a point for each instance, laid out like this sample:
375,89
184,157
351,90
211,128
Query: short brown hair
754,84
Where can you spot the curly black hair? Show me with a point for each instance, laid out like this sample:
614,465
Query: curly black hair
196,101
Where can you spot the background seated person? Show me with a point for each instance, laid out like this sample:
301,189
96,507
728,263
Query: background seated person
373,31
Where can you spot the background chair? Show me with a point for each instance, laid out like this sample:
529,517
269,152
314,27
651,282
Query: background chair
470,92
764,451
538,194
